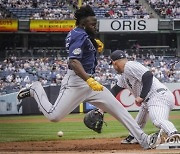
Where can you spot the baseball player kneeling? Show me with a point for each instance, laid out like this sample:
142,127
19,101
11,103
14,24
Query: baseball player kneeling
155,98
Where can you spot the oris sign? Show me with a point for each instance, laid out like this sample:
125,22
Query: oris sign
131,25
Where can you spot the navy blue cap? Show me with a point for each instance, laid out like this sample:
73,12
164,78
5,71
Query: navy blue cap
117,54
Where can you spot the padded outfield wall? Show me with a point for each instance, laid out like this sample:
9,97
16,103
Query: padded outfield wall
8,103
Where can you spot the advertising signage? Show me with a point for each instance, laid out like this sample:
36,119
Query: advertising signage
8,25
128,25
51,25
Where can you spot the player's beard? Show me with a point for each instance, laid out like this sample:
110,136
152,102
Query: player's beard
92,37
90,33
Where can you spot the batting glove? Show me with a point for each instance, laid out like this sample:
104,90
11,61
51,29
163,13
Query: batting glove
100,45
96,86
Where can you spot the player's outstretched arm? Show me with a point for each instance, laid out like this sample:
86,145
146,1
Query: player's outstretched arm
147,79
116,89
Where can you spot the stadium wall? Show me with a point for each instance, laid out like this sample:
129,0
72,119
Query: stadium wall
8,103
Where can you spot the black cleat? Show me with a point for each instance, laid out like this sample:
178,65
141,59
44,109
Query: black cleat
129,140
23,93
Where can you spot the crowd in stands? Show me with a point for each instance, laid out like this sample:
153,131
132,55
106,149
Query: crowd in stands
114,9
166,8
16,73
60,9
37,9
4,14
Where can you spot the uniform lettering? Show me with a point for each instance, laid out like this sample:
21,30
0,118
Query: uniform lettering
129,84
68,38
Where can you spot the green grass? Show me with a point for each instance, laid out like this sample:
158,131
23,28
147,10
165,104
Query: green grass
45,130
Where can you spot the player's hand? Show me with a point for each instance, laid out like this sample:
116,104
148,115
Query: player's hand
138,101
100,45
96,86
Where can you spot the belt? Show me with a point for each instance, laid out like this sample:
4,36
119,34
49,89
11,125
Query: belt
161,89
158,90
91,75
72,72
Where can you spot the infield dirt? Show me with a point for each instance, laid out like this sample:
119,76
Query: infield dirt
87,146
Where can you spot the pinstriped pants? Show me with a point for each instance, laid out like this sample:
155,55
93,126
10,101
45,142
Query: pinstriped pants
158,107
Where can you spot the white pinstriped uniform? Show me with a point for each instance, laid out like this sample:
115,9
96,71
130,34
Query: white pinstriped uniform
160,98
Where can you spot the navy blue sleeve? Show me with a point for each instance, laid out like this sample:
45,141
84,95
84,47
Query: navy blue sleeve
76,46
116,89
147,79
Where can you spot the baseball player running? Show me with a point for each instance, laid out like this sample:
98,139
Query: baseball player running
153,96
78,85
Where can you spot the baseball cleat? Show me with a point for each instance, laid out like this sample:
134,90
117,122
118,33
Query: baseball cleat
23,93
154,140
129,140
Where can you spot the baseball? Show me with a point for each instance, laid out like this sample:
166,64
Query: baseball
60,133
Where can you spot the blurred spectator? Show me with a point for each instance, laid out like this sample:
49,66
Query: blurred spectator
16,73
166,8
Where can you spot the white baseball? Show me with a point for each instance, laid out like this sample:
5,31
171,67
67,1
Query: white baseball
60,133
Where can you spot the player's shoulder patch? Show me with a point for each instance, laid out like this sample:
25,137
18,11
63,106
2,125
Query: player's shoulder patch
77,51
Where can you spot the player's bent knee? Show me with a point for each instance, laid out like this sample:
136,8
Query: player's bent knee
157,123
53,118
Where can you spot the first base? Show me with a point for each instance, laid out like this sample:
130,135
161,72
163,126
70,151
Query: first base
169,146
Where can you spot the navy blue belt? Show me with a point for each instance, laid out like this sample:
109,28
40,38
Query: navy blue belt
161,89
158,90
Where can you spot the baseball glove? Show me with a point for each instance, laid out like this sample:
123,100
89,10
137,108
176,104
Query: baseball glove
100,45
94,120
